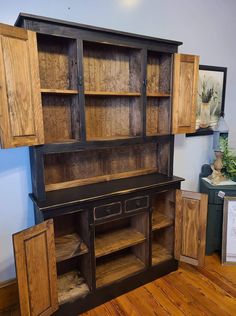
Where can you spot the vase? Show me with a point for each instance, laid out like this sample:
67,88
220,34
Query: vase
205,115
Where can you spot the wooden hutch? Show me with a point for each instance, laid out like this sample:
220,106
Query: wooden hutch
99,109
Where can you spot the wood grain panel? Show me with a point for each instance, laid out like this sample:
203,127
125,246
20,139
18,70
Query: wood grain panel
34,248
190,227
91,166
112,117
185,93
56,58
111,68
116,269
20,100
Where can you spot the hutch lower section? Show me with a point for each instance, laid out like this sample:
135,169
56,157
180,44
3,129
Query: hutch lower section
106,246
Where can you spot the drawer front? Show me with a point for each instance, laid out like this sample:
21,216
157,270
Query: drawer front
136,203
107,210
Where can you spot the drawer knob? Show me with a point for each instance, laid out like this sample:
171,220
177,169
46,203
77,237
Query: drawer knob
138,203
108,211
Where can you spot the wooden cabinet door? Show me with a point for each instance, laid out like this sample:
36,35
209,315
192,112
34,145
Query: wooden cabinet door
36,270
190,227
186,68
21,119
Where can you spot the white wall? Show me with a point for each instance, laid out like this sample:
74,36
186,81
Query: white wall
206,27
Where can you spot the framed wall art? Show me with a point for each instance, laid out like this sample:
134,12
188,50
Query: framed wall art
210,98
228,255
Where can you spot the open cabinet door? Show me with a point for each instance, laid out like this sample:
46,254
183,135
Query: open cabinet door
190,227
36,270
186,68
21,118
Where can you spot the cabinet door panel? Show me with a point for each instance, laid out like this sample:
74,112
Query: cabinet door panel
185,93
190,227
21,117
36,270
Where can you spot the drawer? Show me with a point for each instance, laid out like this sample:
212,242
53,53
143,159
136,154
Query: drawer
134,204
107,210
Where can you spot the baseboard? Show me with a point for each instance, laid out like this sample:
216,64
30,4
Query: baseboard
9,299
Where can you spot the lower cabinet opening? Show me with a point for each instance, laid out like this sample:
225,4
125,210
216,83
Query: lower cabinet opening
162,245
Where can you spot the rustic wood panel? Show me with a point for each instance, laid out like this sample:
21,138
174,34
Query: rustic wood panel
111,68
160,220
116,269
57,116
112,117
163,244
56,59
20,102
158,116
163,157
185,93
158,73
115,240
34,248
99,165
190,227
9,300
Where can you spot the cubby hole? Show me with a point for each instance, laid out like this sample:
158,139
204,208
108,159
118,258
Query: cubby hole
120,234
58,67
110,68
158,116
60,118
71,235
163,209
162,245
73,278
119,265
65,170
112,117
158,74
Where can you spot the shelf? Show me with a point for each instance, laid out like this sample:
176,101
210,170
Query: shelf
116,240
159,95
59,91
160,220
160,253
69,246
71,285
111,138
113,93
80,182
117,269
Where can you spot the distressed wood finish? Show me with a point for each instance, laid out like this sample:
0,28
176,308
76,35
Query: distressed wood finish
185,93
20,103
34,248
190,227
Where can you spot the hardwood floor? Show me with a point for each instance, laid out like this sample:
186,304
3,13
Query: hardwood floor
189,291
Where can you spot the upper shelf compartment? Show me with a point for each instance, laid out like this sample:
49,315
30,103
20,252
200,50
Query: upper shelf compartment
158,74
110,69
58,68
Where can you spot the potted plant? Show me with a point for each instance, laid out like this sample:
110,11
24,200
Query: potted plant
229,160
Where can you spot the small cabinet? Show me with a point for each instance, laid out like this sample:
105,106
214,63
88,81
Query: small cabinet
184,93
21,119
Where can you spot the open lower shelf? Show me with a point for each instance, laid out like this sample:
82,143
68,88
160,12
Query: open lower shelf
69,246
107,243
160,253
80,182
160,220
118,268
70,286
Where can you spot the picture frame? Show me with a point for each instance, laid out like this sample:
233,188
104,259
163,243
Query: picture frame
228,253
210,99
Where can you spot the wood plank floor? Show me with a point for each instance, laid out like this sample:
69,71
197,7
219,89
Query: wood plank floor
189,291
